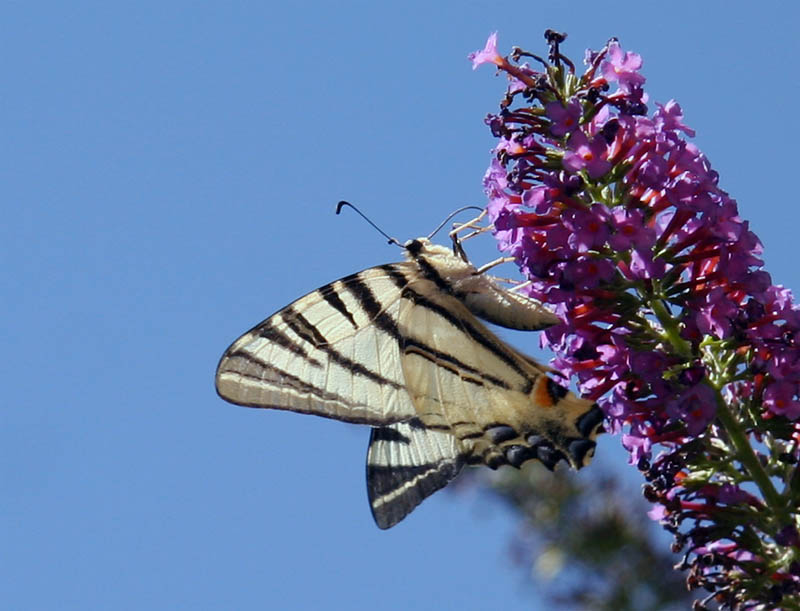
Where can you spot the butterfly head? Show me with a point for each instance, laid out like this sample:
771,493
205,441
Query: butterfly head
417,247
423,248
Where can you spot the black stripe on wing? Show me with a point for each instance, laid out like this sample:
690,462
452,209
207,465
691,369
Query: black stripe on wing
376,310
248,366
271,333
451,363
489,342
310,333
331,295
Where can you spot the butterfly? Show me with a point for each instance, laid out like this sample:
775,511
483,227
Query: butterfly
400,347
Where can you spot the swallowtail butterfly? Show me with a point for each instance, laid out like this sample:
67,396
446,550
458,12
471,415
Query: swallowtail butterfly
399,348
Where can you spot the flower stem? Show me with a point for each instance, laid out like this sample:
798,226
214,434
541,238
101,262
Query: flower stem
744,451
748,458
670,326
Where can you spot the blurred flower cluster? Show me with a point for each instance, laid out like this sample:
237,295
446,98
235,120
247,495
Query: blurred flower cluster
669,321
584,542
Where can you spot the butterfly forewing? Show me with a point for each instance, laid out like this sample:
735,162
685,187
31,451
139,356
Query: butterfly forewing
332,353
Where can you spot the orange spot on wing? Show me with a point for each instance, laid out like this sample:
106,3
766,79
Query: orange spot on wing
541,394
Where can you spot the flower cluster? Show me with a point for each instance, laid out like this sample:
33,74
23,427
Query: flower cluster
668,321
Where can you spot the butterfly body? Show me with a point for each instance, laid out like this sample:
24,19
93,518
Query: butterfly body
399,347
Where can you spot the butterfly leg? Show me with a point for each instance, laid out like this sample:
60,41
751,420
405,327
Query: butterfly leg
472,224
460,227
487,266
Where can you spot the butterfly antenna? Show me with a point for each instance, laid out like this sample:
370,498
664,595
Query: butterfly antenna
343,203
451,215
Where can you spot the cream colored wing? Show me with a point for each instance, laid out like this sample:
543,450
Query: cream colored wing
334,353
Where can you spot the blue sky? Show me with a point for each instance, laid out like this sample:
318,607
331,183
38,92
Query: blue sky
169,179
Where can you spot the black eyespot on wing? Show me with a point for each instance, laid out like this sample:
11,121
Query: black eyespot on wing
516,455
587,423
500,433
579,448
549,456
536,440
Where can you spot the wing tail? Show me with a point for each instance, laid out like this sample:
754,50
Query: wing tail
406,463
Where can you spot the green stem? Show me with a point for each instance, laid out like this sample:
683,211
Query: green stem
671,329
744,451
793,487
748,458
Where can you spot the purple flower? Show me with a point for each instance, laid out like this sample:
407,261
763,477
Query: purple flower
779,398
695,406
557,238
715,314
487,55
622,67
588,228
668,319
583,153
652,170
538,199
649,365
657,513
565,120
731,494
784,365
669,117
495,179
643,266
588,272
788,535
629,230
780,299
638,446
510,146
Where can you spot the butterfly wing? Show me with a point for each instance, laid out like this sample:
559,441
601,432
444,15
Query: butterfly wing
406,463
333,353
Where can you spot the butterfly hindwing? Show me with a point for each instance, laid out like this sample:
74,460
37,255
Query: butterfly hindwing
406,463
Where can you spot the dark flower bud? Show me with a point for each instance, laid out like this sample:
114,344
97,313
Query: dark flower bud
609,130
788,536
